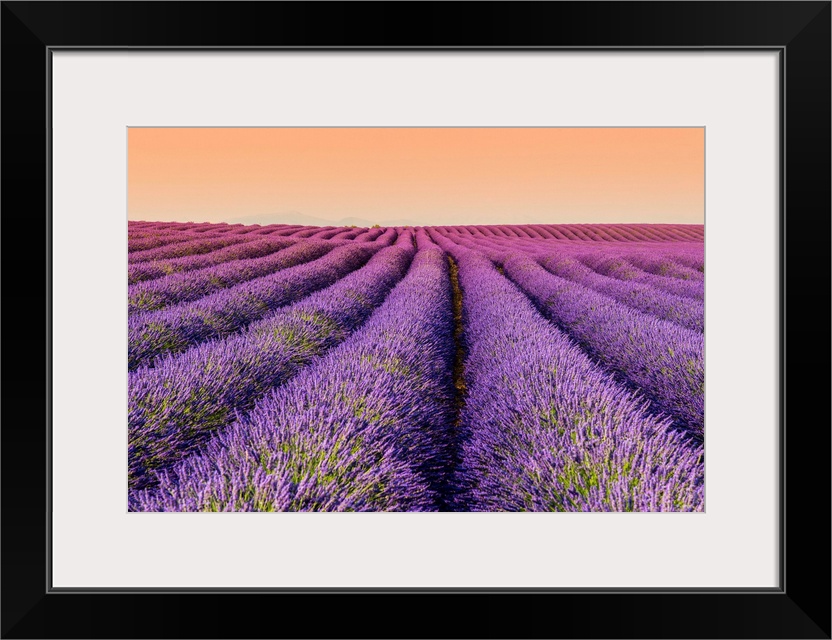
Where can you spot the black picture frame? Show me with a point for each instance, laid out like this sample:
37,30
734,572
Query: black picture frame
799,608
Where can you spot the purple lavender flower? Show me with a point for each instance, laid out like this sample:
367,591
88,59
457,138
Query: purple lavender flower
153,333
177,404
544,429
364,428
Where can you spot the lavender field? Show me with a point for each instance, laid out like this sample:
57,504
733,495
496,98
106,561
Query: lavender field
475,368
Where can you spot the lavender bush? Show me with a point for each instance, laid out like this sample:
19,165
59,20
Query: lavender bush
184,287
153,333
363,428
561,435
258,247
464,368
184,398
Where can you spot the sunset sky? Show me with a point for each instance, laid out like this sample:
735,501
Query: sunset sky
417,176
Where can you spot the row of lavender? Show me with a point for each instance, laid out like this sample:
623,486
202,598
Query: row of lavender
326,383
220,262
561,434
143,234
176,404
162,318
662,359
362,428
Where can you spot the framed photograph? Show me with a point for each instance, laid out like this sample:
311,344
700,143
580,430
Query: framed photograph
540,267
331,338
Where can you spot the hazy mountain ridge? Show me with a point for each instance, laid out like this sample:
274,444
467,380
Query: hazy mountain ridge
295,217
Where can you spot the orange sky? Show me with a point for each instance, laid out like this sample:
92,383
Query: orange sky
420,176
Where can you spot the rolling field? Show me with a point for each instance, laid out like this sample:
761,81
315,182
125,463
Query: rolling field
474,368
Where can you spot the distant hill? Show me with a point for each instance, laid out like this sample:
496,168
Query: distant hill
296,217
